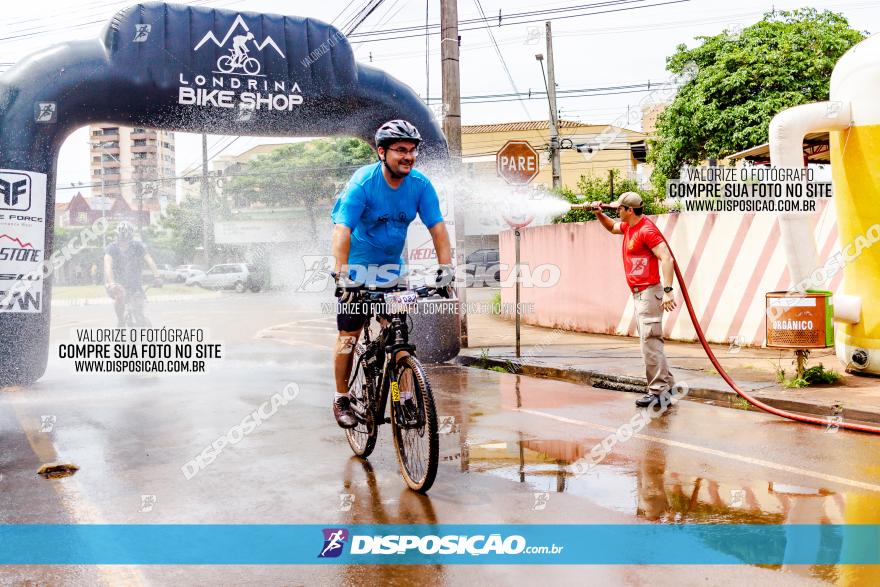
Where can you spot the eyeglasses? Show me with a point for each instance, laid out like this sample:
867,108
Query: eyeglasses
414,152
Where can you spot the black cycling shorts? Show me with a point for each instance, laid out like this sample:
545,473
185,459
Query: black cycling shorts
349,321
352,317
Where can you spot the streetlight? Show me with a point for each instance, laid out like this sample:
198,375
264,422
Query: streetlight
104,145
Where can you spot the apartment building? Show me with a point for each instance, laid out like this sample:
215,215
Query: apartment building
135,164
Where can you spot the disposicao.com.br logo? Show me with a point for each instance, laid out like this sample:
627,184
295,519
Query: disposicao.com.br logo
432,544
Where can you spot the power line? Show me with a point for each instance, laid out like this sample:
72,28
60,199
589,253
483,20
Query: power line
79,25
427,53
419,34
501,58
571,93
359,18
514,15
341,12
293,172
196,163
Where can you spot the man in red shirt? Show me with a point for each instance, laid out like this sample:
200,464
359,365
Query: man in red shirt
645,259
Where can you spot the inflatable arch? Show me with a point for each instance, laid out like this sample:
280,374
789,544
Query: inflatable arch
172,67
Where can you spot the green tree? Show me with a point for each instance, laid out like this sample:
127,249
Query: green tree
182,232
599,189
740,81
299,173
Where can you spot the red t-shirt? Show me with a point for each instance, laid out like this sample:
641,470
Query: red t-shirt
640,264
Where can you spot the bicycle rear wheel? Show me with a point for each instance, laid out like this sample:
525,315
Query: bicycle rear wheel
362,394
418,448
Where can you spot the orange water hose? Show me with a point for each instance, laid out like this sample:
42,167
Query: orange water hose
714,360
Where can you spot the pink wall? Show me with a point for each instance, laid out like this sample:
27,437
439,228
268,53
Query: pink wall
591,293
730,261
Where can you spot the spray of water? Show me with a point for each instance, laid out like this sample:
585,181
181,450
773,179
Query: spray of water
489,205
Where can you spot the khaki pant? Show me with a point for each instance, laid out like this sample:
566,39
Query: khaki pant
649,320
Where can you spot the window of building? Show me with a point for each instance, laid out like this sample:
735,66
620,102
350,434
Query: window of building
82,216
138,130
140,142
138,155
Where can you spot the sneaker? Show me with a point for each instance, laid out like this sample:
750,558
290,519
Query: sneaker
646,400
342,411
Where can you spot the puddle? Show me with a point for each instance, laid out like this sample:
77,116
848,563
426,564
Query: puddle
650,490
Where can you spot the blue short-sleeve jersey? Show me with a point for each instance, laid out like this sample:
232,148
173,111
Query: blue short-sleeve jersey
379,216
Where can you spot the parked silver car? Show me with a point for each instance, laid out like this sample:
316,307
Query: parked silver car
237,276
166,272
187,271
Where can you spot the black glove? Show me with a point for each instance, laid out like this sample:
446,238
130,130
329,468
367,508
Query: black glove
443,280
346,289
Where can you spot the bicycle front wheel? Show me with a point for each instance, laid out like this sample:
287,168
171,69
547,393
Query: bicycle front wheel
362,394
418,446
251,66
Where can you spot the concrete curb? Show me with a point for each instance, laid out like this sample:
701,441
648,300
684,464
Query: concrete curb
720,397
152,299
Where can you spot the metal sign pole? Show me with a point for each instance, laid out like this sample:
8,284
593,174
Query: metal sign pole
516,308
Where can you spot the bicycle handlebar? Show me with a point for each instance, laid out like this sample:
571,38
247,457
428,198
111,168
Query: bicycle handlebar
378,295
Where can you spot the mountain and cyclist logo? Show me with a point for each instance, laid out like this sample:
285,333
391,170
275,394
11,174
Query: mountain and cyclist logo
239,61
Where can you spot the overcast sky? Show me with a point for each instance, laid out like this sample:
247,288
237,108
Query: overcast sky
600,50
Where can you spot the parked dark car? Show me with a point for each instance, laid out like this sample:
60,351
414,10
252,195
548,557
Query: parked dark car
483,267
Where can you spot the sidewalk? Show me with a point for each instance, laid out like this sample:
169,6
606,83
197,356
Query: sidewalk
615,362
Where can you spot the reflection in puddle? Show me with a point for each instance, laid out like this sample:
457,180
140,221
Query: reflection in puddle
647,489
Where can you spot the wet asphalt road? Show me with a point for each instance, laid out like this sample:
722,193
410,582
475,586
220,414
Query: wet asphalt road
508,442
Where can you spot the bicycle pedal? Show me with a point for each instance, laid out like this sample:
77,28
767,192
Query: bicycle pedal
387,420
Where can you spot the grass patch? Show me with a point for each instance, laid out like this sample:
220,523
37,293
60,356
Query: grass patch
817,375
496,303
740,403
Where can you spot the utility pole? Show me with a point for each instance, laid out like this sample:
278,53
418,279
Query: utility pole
551,95
139,186
206,209
451,80
452,129
103,206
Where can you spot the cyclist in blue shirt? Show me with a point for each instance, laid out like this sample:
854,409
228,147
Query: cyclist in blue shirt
370,219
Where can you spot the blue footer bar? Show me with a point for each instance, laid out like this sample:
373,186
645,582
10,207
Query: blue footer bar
688,544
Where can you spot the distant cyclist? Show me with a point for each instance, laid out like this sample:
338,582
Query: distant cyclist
123,264
371,218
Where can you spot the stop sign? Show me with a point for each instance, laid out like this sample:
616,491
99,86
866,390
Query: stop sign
517,162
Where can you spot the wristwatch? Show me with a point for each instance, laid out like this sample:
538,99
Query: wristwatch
667,289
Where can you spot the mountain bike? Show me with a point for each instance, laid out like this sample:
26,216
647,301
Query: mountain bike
229,63
387,366
133,316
